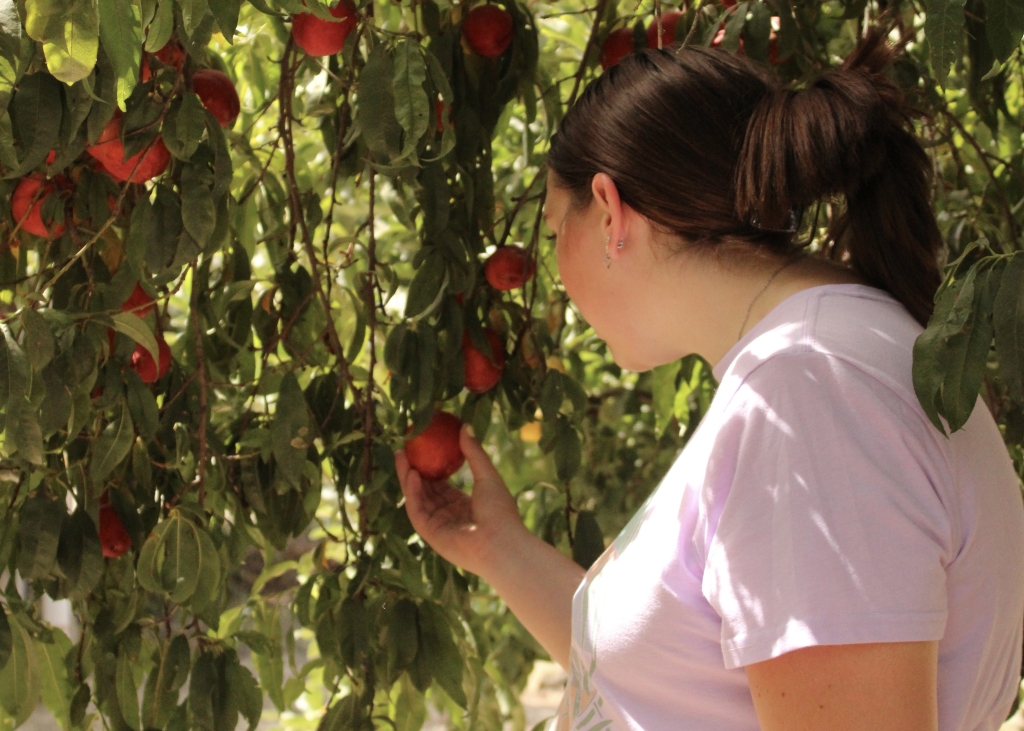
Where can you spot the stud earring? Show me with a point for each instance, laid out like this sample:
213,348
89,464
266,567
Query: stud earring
621,244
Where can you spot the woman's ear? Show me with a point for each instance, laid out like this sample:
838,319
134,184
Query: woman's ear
606,197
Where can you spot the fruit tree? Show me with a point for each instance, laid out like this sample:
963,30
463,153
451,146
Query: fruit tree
247,250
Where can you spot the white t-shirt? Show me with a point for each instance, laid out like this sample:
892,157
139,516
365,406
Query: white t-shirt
815,504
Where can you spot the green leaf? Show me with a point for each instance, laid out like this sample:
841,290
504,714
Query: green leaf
19,679
403,637
568,451
183,561
79,554
112,445
201,690
136,328
121,35
39,342
69,32
184,125
1004,26
412,108
439,649
245,692
1008,312
161,27
55,686
36,111
226,13
41,519
376,111
290,431
193,12
588,543
150,559
663,393
161,693
127,693
198,211
426,284
354,632
943,27
964,353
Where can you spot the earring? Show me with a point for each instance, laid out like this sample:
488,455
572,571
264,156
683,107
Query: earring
607,256
621,244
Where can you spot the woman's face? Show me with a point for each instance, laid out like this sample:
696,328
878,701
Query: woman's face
617,300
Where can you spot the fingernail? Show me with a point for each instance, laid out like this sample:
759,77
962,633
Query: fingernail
469,430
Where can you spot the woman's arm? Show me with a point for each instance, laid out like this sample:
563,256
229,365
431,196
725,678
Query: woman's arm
879,686
484,534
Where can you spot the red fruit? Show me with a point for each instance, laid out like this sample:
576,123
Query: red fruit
668,29
481,373
172,54
109,151
509,267
773,49
114,539
435,452
138,302
142,361
729,3
218,94
51,157
145,74
319,37
617,46
488,30
31,218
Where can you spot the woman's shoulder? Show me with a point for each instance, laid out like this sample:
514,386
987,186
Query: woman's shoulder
857,328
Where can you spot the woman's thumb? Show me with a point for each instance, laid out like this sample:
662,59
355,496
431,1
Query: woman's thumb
479,463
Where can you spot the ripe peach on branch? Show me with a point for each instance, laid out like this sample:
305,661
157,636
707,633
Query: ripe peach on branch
319,37
435,452
488,30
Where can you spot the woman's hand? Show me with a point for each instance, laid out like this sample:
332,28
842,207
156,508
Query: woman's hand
483,533
467,530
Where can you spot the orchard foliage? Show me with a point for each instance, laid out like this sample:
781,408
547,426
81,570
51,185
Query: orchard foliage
220,316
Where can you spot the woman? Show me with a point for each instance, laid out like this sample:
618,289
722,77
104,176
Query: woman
819,556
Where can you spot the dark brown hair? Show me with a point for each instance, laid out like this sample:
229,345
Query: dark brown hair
706,144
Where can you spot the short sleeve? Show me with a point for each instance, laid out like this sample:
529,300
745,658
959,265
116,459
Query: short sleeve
825,521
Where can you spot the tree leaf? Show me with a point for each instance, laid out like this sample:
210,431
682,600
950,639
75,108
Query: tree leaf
127,693
943,27
663,393
226,13
121,35
568,450
160,697
69,32
1008,312
135,327
964,353
19,679
291,422
439,649
376,111
112,445
1004,26
55,687
245,692
425,284
588,543
79,554
412,108
39,342
183,561
41,519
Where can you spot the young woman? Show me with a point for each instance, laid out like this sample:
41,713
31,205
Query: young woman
819,556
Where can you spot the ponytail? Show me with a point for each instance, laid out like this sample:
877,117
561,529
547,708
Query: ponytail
849,133
711,149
